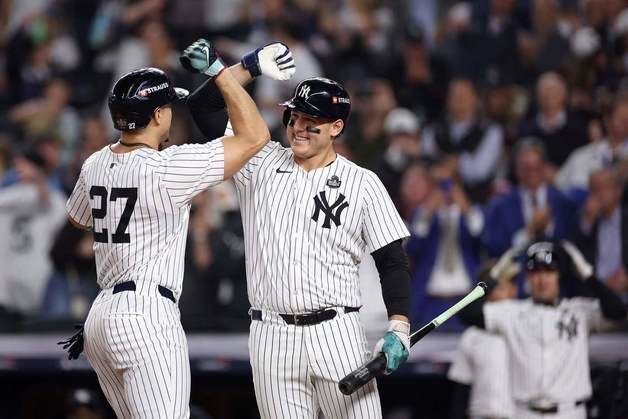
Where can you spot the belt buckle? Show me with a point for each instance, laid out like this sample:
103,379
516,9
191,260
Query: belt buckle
543,406
296,319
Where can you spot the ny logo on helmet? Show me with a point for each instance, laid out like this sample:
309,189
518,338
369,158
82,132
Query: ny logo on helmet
304,92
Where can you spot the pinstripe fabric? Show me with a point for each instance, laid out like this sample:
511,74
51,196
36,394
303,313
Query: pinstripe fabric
481,361
548,346
138,206
305,233
135,343
296,369
166,181
293,263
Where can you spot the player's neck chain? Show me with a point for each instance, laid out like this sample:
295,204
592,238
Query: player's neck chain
138,144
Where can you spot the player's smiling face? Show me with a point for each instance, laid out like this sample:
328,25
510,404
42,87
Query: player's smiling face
310,136
545,285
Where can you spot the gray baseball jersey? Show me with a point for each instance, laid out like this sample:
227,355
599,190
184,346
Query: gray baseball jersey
137,205
28,227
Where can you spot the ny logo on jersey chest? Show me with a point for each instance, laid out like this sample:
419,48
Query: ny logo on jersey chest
567,326
332,212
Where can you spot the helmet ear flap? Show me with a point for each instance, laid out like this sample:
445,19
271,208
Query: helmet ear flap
286,116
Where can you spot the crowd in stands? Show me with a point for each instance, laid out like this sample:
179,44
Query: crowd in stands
490,122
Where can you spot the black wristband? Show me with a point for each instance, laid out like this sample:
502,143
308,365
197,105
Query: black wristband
250,61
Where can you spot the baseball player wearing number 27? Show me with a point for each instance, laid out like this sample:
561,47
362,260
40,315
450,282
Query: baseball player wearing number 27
135,197
309,215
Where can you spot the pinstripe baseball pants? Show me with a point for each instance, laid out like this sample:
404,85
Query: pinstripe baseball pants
137,346
296,369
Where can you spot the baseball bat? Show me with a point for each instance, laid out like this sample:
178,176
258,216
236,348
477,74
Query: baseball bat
356,379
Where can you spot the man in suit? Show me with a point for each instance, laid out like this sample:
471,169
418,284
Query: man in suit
444,245
465,140
560,130
534,210
602,229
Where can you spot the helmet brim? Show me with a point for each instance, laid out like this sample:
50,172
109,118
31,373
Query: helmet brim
306,108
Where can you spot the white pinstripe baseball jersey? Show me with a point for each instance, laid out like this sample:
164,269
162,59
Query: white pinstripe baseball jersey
305,232
548,346
482,362
138,205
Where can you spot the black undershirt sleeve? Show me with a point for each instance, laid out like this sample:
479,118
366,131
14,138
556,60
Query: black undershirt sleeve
610,303
473,314
394,274
208,110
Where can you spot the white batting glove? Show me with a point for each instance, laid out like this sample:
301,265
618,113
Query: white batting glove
582,267
506,267
395,345
272,60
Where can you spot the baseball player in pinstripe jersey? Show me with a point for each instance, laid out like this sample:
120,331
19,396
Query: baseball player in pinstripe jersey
136,199
309,215
480,367
546,336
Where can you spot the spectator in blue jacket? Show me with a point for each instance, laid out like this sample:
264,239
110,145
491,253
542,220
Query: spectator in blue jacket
532,211
444,244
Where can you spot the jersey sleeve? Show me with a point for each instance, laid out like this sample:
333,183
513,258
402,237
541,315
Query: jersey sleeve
78,206
592,312
382,223
189,169
498,315
243,177
461,370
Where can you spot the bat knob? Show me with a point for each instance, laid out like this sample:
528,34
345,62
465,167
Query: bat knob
345,388
483,286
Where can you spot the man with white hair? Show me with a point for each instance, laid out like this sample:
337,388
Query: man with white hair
464,140
560,130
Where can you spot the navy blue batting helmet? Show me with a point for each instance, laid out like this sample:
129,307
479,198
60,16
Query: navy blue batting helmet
319,97
136,95
542,255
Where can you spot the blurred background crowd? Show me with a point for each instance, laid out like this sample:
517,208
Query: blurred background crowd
490,122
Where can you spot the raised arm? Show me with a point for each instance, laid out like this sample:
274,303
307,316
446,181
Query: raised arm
207,102
208,108
250,132
611,304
